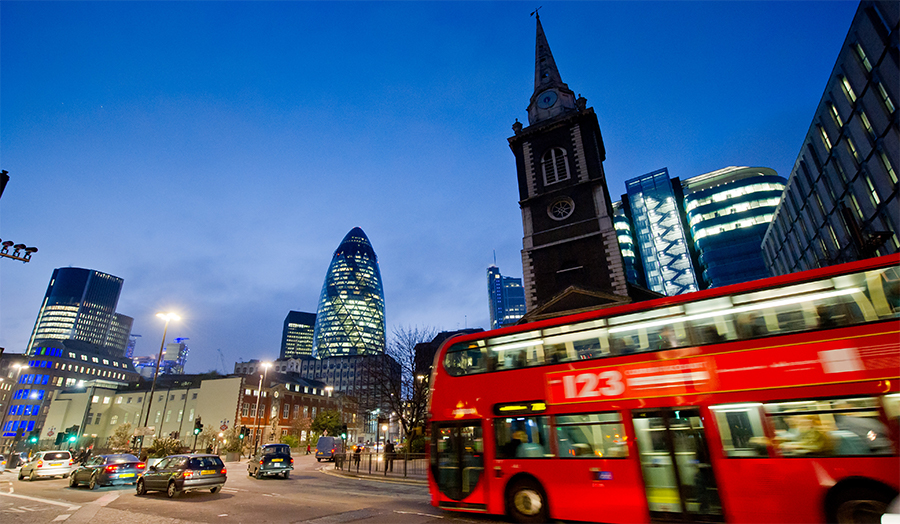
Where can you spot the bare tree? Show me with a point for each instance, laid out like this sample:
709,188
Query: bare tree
398,389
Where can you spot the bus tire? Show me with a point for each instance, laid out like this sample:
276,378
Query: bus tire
858,504
526,502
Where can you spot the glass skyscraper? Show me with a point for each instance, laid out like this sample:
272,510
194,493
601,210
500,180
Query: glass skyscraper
297,335
729,211
80,307
663,246
506,298
350,316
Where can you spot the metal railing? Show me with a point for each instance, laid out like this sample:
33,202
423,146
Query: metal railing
405,465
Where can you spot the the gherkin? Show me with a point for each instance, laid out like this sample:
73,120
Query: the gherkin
350,316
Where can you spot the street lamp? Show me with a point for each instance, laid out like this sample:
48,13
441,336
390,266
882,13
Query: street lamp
19,368
265,366
167,317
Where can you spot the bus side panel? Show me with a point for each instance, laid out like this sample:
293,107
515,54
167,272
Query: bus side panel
790,489
597,490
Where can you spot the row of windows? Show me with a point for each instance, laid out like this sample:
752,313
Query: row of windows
849,299
805,428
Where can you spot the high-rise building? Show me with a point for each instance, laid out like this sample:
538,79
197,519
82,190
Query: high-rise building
569,241
79,309
841,202
728,212
297,335
663,247
350,316
506,298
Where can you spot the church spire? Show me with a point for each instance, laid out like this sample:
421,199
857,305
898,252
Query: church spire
551,95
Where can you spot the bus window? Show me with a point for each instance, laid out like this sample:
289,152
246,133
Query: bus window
741,430
463,359
594,435
522,437
829,427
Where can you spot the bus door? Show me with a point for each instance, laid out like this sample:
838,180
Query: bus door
678,476
457,462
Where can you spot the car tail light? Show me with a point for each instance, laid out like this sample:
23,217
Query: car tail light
332,450
292,461
71,461
224,471
111,468
40,464
141,465
260,462
188,473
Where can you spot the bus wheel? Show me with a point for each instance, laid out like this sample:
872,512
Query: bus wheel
526,502
859,505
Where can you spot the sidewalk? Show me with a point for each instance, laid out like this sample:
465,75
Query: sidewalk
371,467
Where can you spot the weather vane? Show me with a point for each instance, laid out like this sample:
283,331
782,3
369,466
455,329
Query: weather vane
535,12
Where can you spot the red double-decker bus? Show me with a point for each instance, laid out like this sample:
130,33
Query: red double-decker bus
771,401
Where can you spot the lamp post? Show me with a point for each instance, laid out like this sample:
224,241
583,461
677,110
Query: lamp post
265,366
167,317
19,368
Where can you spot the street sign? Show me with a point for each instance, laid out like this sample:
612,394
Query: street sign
50,433
142,431
223,427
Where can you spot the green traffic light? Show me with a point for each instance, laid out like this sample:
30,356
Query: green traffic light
72,438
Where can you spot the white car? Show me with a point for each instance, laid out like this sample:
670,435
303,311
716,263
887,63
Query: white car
57,463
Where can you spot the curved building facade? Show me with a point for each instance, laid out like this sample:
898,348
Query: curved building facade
350,315
729,211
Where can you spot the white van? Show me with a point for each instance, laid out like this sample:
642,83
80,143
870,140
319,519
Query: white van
326,447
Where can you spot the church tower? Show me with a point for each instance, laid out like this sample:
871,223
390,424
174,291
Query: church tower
569,240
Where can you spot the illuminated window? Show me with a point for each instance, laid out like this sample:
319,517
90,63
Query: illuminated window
873,193
825,140
848,89
865,121
852,147
835,115
887,166
862,57
555,166
888,104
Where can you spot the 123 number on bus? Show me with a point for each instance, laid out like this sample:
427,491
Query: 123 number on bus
591,385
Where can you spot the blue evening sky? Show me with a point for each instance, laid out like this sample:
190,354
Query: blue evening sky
214,154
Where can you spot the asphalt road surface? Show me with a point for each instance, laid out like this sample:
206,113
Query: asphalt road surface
308,496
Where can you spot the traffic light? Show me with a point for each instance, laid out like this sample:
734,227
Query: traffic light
344,431
198,427
33,439
243,432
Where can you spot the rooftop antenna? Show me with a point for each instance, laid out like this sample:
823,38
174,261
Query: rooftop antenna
495,257
535,13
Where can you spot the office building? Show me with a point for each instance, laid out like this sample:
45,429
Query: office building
297,335
841,201
79,310
728,212
506,298
350,315
173,360
662,245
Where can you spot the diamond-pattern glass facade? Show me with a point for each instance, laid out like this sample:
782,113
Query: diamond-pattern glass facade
350,315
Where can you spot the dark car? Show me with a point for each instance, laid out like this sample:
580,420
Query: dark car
271,459
107,470
176,474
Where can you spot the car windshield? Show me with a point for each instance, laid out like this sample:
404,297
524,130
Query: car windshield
117,459
206,463
56,455
272,450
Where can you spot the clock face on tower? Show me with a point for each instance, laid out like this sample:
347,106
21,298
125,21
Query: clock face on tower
546,99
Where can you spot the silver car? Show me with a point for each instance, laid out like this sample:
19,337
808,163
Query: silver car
57,463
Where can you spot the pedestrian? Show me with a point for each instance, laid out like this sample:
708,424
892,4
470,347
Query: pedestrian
388,457
308,449
209,449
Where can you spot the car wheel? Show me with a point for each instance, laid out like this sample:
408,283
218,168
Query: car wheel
318,459
21,476
215,489
141,488
172,491
33,475
93,484
526,502
286,474
859,505
258,473
73,482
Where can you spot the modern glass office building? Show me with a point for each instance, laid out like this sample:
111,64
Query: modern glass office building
625,236
506,298
80,306
350,316
662,243
297,335
841,202
728,212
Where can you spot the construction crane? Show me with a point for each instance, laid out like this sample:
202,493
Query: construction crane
222,362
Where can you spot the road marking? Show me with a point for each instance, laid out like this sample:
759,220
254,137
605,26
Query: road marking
419,514
60,518
72,507
224,515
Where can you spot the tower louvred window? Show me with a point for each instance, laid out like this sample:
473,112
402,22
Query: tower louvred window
555,166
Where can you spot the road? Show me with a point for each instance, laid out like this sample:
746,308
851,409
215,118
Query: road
308,496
